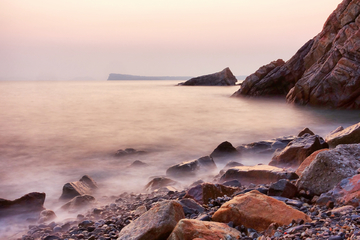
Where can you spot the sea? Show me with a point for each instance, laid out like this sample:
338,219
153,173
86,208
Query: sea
54,132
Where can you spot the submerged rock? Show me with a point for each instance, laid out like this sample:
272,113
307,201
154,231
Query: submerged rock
191,168
223,78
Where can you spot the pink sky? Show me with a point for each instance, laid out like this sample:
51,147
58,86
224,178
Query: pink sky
64,40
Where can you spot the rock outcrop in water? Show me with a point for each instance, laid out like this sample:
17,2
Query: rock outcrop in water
324,72
223,78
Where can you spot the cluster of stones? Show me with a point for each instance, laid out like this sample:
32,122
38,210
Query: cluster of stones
310,190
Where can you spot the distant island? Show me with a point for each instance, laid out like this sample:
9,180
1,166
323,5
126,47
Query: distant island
117,76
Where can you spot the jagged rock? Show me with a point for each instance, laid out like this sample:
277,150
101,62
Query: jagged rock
256,210
347,191
348,135
159,182
297,150
223,78
205,191
191,168
157,223
265,146
86,185
78,203
308,161
305,130
329,168
195,229
31,203
224,150
283,188
259,174
190,206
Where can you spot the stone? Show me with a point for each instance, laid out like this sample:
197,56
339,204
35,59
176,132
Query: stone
85,186
191,168
232,183
46,216
347,191
138,164
195,229
305,130
31,203
259,174
265,146
308,161
283,188
140,210
329,168
159,182
128,152
190,206
223,78
348,135
225,150
205,191
156,223
297,150
256,210
79,203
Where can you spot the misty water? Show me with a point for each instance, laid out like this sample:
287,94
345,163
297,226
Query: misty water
54,132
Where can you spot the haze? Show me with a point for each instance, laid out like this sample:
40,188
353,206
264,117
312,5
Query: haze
87,39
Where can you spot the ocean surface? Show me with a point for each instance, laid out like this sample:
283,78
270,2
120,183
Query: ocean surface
54,132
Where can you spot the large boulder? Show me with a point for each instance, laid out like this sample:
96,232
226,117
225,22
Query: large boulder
191,168
329,168
195,229
259,174
224,151
223,78
157,223
256,210
308,161
205,191
348,135
297,150
347,192
265,146
31,203
86,185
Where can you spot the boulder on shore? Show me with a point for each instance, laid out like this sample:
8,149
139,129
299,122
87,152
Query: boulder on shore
224,150
86,185
256,210
329,168
223,78
265,146
308,161
31,203
191,168
348,135
159,182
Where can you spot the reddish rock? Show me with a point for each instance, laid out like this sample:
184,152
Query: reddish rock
29,203
308,161
223,78
329,168
259,174
348,135
205,191
297,150
157,223
257,211
86,185
189,229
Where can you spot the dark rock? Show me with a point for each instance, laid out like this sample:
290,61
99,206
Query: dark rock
349,135
190,206
191,168
159,182
290,202
297,150
138,164
224,150
79,202
29,203
305,130
232,183
265,146
128,152
223,78
85,186
205,191
283,188
47,215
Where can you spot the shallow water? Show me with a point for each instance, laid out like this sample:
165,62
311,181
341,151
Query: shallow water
53,132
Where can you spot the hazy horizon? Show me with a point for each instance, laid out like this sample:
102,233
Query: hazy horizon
65,40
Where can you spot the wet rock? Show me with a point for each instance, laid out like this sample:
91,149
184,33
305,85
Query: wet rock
205,191
85,186
329,168
128,152
224,150
159,182
265,146
223,78
283,188
257,211
31,203
348,135
305,130
157,223
232,183
191,168
47,215
297,150
79,203
308,161
259,174
290,202
195,229
190,206
347,191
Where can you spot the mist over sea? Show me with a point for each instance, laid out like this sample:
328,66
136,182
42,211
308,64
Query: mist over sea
54,132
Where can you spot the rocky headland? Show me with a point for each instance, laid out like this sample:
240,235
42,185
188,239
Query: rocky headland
324,72
222,78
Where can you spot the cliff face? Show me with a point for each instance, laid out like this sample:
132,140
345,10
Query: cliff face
326,70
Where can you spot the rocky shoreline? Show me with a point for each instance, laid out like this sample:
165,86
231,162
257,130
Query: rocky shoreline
309,191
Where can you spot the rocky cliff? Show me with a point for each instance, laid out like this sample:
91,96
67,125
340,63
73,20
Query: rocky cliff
324,72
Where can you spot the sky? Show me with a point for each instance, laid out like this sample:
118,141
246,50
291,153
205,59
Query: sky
88,39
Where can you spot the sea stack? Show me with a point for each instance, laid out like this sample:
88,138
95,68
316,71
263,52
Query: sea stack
223,78
324,72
